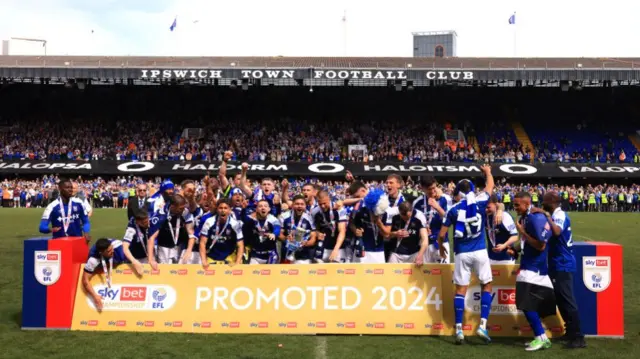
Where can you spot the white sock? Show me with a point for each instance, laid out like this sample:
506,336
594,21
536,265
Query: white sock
483,323
539,337
543,337
458,327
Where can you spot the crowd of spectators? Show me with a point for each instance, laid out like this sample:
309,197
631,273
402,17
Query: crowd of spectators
113,192
131,123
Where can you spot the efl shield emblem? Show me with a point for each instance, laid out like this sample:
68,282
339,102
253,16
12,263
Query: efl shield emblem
596,273
47,267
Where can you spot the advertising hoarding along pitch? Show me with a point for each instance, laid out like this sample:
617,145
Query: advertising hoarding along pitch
318,169
390,299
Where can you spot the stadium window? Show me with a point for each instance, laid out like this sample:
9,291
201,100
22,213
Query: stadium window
439,51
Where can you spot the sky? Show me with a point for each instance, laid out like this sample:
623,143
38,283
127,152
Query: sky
544,28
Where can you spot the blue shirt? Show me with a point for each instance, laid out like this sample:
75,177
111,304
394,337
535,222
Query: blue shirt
291,224
258,195
137,239
473,240
561,258
536,226
58,212
95,259
222,239
255,232
499,235
371,238
433,218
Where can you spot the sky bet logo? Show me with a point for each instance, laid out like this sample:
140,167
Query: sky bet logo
375,271
262,272
318,271
347,271
47,257
598,262
505,296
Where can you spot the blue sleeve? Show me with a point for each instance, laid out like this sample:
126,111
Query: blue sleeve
450,217
44,226
86,224
276,229
541,228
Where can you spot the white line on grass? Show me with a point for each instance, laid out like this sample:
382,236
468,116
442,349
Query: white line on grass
321,347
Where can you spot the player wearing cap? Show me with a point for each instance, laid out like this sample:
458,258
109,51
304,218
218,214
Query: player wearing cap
470,249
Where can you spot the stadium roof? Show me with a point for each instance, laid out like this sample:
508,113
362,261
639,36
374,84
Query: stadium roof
317,62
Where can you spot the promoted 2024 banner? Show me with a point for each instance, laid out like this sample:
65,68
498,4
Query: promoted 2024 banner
332,298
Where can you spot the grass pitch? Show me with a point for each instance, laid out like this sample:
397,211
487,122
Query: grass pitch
19,224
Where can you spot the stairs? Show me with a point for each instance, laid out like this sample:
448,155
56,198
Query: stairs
473,141
635,140
523,138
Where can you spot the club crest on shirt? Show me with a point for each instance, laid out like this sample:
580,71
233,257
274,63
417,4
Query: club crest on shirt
46,267
596,273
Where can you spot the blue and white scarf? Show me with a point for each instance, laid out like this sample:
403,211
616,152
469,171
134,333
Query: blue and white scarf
467,213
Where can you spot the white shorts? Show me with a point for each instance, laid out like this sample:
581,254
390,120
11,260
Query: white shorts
255,260
511,261
342,256
528,276
168,255
370,257
432,255
402,258
465,263
302,261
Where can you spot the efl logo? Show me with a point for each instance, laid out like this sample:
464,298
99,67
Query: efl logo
149,323
292,325
121,323
92,323
133,294
205,325
234,325
52,257
466,327
183,272
507,296
495,272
